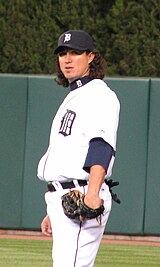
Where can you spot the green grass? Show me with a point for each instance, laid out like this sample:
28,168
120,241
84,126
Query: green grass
128,256
37,253
25,253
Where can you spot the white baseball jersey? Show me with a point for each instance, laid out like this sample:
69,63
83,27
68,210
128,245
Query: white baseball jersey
91,110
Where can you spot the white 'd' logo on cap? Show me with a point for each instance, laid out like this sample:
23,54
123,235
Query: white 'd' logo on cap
67,37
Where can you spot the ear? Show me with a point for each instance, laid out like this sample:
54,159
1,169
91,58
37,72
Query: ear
91,56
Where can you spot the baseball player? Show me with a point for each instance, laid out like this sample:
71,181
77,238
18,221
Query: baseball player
80,155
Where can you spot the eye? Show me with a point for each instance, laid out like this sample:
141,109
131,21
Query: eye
77,52
63,53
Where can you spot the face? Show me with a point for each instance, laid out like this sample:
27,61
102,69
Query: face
74,64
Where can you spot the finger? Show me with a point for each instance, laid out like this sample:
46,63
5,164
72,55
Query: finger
46,227
115,198
46,231
114,184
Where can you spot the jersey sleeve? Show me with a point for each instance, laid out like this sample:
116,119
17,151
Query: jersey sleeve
101,116
99,152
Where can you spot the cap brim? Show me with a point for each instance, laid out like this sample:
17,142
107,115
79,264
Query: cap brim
60,48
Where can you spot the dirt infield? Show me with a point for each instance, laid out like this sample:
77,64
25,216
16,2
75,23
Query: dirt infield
107,239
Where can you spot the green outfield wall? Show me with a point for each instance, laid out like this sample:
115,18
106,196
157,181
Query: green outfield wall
27,106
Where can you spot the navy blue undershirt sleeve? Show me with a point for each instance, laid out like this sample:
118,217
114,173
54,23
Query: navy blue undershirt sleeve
99,152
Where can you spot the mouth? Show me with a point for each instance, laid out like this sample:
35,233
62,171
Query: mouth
68,69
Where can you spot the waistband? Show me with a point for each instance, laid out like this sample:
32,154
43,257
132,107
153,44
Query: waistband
54,186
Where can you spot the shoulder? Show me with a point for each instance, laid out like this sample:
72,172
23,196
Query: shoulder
99,89
99,86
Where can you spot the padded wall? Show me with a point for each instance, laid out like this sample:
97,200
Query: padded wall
131,157
27,107
13,104
152,213
44,98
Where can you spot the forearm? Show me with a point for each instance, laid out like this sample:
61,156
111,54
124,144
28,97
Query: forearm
97,174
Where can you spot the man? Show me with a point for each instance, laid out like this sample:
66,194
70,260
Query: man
81,151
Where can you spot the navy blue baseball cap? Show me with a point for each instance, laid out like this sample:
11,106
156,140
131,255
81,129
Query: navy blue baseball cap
75,39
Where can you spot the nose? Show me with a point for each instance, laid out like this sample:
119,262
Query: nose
68,58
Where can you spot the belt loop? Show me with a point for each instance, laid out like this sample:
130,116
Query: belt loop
76,183
57,185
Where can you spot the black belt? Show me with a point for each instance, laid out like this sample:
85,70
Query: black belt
66,185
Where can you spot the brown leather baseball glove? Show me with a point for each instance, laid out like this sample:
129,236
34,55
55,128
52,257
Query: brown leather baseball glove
75,208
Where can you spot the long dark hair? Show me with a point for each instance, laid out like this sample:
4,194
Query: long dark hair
97,67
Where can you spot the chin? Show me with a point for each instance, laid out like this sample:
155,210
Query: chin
70,79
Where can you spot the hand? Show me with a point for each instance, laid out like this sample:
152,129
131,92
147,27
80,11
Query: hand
46,226
93,201
91,207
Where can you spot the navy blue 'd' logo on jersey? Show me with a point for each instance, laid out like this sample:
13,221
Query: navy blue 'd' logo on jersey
67,123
